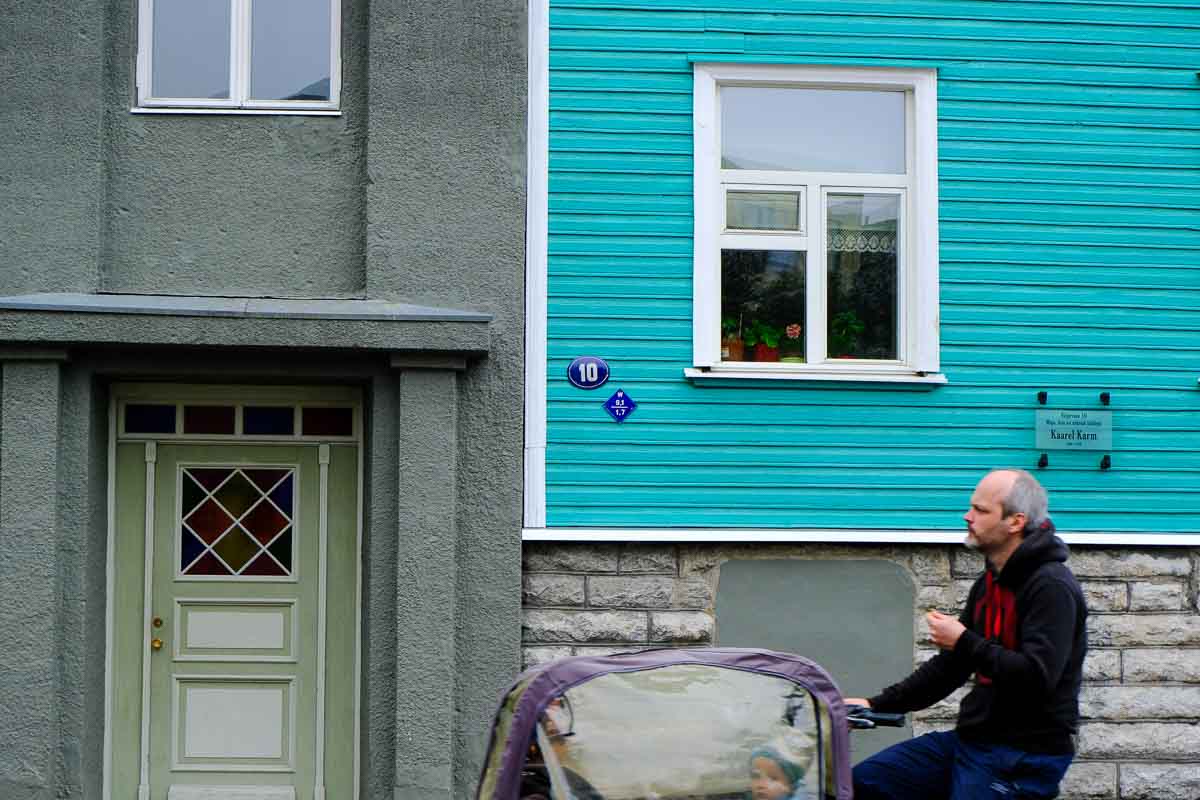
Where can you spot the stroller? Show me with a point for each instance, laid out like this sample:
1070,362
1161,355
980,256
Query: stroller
697,724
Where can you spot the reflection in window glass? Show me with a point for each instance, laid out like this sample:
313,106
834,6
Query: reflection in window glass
762,305
762,211
673,732
817,130
862,238
289,50
191,49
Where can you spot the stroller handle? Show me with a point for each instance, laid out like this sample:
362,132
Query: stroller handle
863,718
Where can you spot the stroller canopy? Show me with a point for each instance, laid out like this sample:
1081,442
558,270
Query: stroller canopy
697,724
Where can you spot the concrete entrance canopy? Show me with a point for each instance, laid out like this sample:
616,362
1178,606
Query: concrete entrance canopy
95,319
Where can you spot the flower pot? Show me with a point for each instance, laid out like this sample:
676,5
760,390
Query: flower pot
733,349
764,353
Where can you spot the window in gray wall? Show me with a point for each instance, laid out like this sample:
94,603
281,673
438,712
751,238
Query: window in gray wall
238,55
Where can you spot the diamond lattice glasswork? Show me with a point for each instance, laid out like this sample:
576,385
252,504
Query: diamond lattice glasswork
236,521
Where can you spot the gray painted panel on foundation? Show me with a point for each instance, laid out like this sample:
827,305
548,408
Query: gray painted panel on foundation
854,618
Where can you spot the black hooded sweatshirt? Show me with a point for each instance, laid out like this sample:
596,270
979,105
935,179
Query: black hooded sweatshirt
1025,642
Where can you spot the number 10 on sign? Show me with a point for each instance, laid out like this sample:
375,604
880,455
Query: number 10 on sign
587,372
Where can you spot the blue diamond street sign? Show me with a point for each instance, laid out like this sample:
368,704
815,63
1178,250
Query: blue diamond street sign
619,406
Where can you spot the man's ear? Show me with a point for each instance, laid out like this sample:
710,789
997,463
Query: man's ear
1016,523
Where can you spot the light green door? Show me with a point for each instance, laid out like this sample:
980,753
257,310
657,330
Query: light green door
235,662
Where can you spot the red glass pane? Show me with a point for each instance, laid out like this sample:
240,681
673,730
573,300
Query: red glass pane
318,421
265,566
207,565
209,478
208,419
209,521
264,522
265,479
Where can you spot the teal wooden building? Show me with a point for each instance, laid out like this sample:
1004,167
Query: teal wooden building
846,255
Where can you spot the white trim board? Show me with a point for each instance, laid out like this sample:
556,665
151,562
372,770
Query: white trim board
735,536
536,258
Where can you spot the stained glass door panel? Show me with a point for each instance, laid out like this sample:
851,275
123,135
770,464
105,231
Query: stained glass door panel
239,670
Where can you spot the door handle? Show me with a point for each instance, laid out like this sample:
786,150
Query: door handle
156,643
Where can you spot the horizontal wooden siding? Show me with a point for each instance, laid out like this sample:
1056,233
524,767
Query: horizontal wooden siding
1069,139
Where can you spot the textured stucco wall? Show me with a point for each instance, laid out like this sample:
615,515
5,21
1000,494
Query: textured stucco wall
31,571
232,205
50,173
99,199
446,222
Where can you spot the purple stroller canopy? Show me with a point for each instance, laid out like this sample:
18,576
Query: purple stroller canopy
663,693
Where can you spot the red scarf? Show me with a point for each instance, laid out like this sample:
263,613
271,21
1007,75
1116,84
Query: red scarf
997,610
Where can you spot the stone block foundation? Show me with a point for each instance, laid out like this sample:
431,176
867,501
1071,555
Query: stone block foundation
1139,736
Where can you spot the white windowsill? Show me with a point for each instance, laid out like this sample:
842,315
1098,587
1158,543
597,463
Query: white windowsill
293,112
704,375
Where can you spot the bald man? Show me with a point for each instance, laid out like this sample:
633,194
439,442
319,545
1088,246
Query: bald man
1022,639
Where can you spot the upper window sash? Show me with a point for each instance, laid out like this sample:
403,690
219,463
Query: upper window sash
918,333
239,56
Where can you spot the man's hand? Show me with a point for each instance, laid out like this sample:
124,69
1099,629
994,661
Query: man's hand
944,630
856,701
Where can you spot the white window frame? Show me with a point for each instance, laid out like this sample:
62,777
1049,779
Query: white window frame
917,287
239,101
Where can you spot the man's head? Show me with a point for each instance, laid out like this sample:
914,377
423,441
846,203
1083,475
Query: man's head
1006,505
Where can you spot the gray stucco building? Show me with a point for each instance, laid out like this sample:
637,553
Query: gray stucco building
260,413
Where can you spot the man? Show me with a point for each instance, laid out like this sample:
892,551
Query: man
1022,635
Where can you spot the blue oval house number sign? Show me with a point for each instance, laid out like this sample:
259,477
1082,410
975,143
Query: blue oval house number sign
588,372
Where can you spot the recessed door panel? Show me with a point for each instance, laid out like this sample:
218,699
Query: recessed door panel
228,621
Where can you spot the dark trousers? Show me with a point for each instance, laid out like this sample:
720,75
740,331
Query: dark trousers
940,766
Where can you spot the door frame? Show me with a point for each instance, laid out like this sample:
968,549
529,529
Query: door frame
181,394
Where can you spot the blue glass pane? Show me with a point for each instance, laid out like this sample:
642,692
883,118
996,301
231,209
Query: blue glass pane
145,418
192,547
268,421
282,496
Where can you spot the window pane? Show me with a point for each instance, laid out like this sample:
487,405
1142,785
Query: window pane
319,421
208,419
146,418
268,421
820,130
762,211
289,50
191,49
762,305
862,235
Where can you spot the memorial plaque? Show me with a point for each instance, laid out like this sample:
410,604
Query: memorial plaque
1068,429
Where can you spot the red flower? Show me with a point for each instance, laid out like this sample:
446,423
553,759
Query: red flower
793,331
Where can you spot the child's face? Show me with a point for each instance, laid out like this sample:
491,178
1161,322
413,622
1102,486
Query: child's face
767,781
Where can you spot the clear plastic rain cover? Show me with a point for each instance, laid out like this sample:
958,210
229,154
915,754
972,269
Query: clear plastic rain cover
684,732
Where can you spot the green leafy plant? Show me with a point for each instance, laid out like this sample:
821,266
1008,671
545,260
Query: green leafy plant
731,327
759,332
845,329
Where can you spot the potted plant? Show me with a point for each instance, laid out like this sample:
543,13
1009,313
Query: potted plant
844,331
764,339
791,346
732,346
